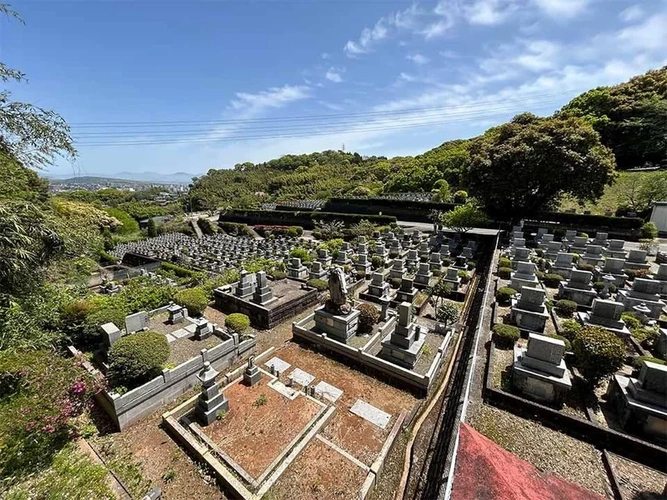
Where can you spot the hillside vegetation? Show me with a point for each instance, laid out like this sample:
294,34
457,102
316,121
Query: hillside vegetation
630,119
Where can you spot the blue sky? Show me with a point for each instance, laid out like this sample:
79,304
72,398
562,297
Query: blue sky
170,86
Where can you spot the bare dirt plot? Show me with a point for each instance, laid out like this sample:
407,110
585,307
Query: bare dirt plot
260,424
186,348
637,482
319,473
360,438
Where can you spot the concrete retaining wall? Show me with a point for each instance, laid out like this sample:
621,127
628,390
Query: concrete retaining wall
127,408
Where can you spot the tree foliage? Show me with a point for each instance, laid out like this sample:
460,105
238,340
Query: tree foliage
464,217
631,118
525,166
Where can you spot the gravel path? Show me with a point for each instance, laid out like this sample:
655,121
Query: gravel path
637,482
548,450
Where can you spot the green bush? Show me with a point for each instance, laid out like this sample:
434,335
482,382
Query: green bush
471,265
318,284
504,262
369,316
135,359
566,308
637,273
598,352
540,275
446,262
630,320
505,294
295,231
107,257
237,322
505,335
649,230
179,271
301,253
129,225
279,275
460,196
539,252
552,280
570,329
582,235
207,227
377,262
447,313
194,300
645,335
639,360
504,272
395,282
568,344
585,267
465,276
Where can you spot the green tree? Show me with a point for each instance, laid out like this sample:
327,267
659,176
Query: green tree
523,167
464,217
151,229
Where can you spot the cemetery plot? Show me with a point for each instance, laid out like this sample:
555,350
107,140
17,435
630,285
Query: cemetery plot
260,424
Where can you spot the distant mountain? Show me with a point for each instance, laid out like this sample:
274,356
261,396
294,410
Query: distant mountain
175,178
91,179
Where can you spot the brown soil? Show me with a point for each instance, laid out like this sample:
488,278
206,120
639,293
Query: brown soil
260,424
182,350
637,482
360,438
319,473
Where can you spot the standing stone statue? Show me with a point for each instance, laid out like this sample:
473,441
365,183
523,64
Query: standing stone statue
337,303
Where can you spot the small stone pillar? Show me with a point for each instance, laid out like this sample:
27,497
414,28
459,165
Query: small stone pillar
176,313
251,375
211,400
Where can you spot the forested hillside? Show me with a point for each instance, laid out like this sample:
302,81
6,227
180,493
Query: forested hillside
630,119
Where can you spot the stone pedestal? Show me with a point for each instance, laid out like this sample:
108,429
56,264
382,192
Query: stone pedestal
337,326
607,314
176,314
263,293
403,345
246,285
211,401
540,371
406,292
296,270
644,291
251,375
616,249
378,287
637,260
452,277
110,334
203,329
578,289
552,249
661,277
317,271
593,255
614,267
528,311
435,264
423,276
524,276
397,270
324,258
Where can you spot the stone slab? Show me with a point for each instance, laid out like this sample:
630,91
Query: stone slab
301,377
371,413
328,391
278,364
180,333
191,328
281,388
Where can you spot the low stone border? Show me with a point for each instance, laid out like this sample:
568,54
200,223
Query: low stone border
621,444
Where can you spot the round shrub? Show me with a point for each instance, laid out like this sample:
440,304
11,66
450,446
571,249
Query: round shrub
447,313
377,262
585,267
570,329
460,196
637,273
504,272
630,320
552,280
639,360
395,282
540,275
446,262
539,252
645,335
649,230
295,231
369,316
137,358
279,275
471,265
598,352
568,344
193,299
237,322
599,286
318,284
582,235
566,308
504,262
505,294
300,253
505,335
465,276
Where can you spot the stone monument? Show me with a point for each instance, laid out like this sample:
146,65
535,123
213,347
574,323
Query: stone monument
263,293
251,374
614,267
423,276
607,314
528,310
524,276
578,288
644,291
637,260
563,265
176,313
296,270
403,346
211,400
337,318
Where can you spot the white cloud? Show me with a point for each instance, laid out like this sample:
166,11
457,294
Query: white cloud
333,75
406,77
631,14
562,9
325,55
274,97
438,28
649,35
418,59
489,12
368,37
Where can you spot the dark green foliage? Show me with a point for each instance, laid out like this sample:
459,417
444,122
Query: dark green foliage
301,253
107,257
279,275
464,217
237,322
505,336
552,280
504,272
649,230
180,271
505,294
151,229
461,196
645,335
631,117
207,227
234,228
295,231
504,262
195,300
630,320
566,308
447,313
395,282
471,265
585,267
135,359
637,273
465,276
639,361
570,329
128,224
318,284
368,317
377,262
599,353
525,166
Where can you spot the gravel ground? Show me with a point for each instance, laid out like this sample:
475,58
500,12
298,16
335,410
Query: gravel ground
637,482
548,450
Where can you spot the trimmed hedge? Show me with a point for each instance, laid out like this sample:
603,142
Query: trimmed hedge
504,262
505,294
568,344
566,308
179,271
505,335
318,284
194,300
570,329
237,322
305,219
581,220
638,361
504,272
369,316
598,352
135,359
552,280
278,275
